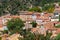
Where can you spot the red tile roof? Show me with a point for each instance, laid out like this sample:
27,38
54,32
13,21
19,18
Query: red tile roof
48,25
1,22
15,16
58,30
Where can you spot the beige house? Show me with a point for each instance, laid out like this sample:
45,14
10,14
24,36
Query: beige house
26,15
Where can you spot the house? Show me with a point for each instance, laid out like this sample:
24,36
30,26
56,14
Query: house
55,18
57,8
24,15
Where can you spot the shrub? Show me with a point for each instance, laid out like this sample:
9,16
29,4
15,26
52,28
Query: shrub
34,24
35,9
0,38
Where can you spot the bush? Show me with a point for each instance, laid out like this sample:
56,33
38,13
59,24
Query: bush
35,9
15,25
34,24
28,36
0,38
5,31
48,8
57,26
57,37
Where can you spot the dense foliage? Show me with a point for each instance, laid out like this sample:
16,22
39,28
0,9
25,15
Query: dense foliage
32,36
35,9
57,37
48,8
57,26
15,25
13,6
34,24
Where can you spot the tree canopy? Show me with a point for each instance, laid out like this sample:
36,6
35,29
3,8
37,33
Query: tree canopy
57,37
15,25
48,8
34,24
35,9
13,6
57,26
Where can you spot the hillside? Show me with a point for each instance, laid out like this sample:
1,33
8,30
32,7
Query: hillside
13,6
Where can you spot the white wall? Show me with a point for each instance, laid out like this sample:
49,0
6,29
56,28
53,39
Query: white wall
54,19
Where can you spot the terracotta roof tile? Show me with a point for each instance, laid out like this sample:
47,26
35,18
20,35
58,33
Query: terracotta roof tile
58,30
15,16
49,25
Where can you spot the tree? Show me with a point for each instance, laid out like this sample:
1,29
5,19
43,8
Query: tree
28,36
3,6
34,24
5,31
57,26
15,25
35,9
32,36
48,35
48,8
57,37
13,6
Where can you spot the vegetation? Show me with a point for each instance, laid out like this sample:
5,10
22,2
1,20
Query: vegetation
5,31
15,25
32,36
57,26
48,8
28,36
35,9
34,24
13,6
57,37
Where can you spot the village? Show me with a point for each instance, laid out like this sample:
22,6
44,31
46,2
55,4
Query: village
45,22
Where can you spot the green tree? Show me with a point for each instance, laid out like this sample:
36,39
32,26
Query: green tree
48,35
3,7
15,25
13,6
34,24
57,37
32,36
5,31
35,9
57,26
48,8
27,36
